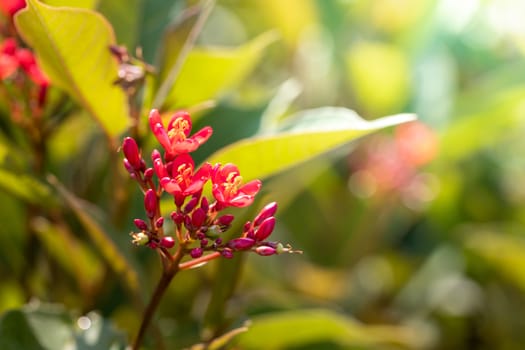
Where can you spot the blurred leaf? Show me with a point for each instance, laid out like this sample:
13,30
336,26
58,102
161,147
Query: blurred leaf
72,255
100,238
504,254
304,136
210,72
81,64
380,75
291,329
222,341
491,122
88,4
25,187
52,327
125,17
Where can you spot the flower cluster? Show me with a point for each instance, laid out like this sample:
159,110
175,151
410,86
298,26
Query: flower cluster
18,65
197,221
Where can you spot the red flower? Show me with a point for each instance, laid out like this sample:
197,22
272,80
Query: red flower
175,138
12,57
228,189
8,61
183,181
10,7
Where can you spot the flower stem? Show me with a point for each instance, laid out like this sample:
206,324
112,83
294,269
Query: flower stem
162,286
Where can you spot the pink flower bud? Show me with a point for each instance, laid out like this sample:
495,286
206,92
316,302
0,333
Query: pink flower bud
155,154
265,250
150,203
177,217
265,229
227,253
159,222
128,166
198,217
131,152
241,243
167,242
204,204
225,220
266,212
191,204
196,253
148,174
140,224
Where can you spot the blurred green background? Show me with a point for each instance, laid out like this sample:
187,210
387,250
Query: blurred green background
412,238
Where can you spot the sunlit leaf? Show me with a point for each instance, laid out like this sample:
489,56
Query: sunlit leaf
88,4
380,76
210,72
304,136
72,47
273,331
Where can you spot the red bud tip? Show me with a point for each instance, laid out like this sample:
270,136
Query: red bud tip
196,253
131,152
148,174
225,220
227,253
167,242
140,224
266,212
150,203
191,204
204,204
265,250
241,243
265,229
177,218
198,217
159,222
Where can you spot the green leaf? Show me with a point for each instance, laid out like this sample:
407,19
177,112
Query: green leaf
71,45
25,187
210,72
300,138
504,254
273,331
100,238
87,4
74,256
44,326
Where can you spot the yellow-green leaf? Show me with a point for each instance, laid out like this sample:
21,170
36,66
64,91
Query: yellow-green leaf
71,45
209,72
310,134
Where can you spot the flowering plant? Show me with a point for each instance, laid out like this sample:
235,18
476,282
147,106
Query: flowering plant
71,98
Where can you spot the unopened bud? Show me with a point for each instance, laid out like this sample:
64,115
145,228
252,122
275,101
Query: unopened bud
241,243
265,229
167,242
148,174
265,250
131,152
140,224
150,203
266,212
198,217
205,205
159,222
177,217
225,220
191,204
227,253
196,253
